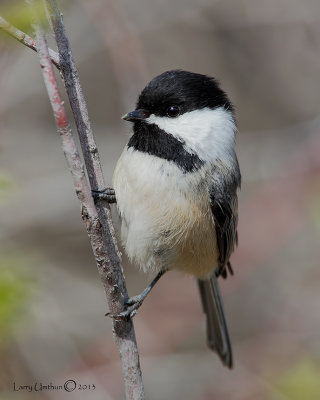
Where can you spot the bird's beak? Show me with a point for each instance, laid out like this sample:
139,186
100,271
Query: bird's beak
136,115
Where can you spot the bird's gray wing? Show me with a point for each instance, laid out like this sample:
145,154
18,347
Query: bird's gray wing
225,215
224,207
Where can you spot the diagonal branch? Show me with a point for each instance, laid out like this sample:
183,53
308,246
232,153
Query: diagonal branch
76,98
26,40
64,129
96,216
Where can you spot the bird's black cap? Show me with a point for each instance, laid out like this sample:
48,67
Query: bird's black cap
187,90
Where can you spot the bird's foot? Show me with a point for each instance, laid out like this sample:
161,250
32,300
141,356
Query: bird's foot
132,305
107,194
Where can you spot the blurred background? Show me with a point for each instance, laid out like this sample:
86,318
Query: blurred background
52,304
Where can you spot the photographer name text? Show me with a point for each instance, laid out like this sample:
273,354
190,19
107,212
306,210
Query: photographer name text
68,386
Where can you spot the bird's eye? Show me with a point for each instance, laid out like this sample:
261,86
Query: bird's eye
173,111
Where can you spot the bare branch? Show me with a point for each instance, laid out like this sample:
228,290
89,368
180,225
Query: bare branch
76,98
96,216
26,40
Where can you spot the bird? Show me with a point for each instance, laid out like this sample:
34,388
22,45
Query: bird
175,185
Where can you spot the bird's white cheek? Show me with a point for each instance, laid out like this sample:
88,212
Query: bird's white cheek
206,132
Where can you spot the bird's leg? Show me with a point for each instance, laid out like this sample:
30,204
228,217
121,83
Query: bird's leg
107,194
133,303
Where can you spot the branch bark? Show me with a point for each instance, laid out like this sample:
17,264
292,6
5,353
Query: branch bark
97,215
26,39
76,98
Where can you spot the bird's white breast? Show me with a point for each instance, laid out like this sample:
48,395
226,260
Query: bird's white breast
166,215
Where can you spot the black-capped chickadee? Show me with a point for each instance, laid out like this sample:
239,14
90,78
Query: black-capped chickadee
176,189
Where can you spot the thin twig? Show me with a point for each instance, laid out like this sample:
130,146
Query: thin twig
26,39
76,98
100,230
64,129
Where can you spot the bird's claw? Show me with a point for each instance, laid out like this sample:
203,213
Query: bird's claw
107,194
131,310
134,300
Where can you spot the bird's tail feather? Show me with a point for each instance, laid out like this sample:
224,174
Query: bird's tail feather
217,329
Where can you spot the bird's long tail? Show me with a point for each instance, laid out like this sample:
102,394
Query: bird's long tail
217,330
